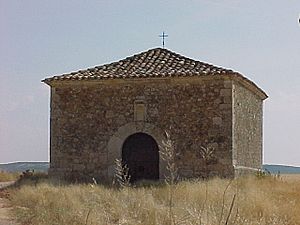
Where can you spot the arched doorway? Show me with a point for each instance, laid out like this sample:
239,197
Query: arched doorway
140,153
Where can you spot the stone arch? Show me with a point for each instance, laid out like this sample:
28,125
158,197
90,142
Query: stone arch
115,143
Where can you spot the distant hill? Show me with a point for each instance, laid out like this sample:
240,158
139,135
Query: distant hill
43,167
283,169
22,166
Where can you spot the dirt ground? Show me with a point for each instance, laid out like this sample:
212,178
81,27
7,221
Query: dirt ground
5,209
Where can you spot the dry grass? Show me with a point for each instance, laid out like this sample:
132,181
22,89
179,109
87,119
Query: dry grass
290,177
7,176
258,201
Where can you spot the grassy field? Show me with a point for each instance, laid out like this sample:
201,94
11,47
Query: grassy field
246,201
290,177
5,176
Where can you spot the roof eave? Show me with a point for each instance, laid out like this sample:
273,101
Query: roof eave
47,81
249,84
232,75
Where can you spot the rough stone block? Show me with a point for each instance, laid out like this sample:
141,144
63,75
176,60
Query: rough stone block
225,92
217,121
225,106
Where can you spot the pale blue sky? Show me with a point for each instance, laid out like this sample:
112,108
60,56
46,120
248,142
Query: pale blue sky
260,39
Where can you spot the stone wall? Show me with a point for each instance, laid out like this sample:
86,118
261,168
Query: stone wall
247,130
86,116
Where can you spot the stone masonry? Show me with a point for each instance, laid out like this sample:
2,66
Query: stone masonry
92,115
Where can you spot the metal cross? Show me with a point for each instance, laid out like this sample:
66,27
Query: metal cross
163,36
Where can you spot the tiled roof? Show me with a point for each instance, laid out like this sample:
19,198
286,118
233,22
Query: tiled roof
155,62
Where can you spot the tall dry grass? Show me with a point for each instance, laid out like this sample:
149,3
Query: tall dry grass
258,201
8,176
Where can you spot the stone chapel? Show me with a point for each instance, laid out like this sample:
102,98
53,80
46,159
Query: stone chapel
121,110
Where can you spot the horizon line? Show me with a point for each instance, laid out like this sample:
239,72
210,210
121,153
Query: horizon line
49,162
23,162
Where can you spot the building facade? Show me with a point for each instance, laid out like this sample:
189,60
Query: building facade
121,111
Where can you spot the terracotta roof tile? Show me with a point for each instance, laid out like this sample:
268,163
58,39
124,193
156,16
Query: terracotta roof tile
156,62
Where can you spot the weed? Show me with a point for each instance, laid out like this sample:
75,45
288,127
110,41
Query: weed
122,177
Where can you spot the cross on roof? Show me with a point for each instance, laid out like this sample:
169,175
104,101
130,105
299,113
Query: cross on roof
163,36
